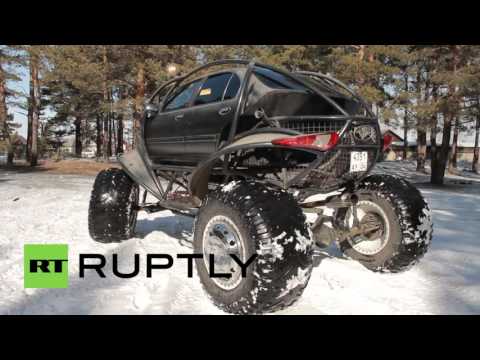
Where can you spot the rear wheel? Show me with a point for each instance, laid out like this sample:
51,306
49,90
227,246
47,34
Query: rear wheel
372,214
396,222
112,214
247,219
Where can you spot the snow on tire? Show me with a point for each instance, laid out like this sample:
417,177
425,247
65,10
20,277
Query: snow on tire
112,214
407,229
254,219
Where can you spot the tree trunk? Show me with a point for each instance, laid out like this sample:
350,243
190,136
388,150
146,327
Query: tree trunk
78,136
452,164
433,142
476,155
120,134
119,142
10,152
4,117
405,135
3,106
421,149
105,137
361,52
405,125
433,130
35,108
99,136
439,163
110,124
421,132
361,57
106,114
110,131
114,135
139,100
29,117
114,121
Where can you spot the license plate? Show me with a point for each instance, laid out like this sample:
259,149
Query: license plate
358,161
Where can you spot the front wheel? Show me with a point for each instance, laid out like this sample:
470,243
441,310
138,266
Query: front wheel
245,219
396,223
112,214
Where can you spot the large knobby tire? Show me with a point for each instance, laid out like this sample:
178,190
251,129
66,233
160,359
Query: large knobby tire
407,231
112,215
267,222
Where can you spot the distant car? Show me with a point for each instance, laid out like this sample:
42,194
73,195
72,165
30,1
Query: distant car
248,150
88,154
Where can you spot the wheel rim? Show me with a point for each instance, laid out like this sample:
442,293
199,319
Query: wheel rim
222,239
373,217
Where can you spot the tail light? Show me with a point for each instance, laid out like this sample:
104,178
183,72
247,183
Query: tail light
322,142
387,141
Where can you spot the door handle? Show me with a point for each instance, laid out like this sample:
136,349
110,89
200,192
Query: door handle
179,117
225,111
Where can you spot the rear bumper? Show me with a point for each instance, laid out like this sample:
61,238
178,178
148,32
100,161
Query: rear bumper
331,170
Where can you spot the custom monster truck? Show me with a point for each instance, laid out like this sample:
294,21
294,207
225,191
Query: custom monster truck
249,150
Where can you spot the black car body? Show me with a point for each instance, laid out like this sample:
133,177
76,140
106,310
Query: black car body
232,122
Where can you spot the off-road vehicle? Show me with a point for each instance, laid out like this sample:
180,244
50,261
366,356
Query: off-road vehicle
248,150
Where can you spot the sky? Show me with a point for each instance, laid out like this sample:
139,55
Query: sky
20,115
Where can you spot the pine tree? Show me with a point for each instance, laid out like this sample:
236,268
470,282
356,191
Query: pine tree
449,65
377,73
209,53
476,152
471,94
34,55
313,58
425,105
9,59
461,83
74,82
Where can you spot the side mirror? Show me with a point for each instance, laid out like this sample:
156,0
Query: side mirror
151,110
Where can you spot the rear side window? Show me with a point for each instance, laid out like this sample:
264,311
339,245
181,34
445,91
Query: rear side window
183,98
233,87
276,80
213,89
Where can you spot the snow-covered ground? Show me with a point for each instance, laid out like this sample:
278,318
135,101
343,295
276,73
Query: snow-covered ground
42,208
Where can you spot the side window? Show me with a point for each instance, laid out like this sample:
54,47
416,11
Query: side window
276,80
213,89
161,95
270,82
233,87
182,99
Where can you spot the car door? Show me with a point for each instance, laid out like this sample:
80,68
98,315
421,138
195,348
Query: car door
213,109
165,132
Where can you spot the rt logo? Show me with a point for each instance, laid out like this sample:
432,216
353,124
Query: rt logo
45,266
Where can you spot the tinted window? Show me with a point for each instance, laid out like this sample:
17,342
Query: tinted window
270,82
233,87
213,89
183,98
276,80
161,95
